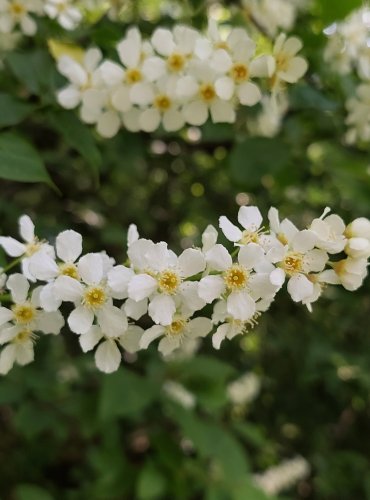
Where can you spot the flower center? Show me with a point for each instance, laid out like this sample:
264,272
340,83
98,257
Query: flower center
207,92
24,335
17,9
162,102
249,237
24,313
169,281
239,72
62,7
33,247
69,270
177,327
292,263
94,297
282,238
282,61
133,75
221,45
175,62
236,277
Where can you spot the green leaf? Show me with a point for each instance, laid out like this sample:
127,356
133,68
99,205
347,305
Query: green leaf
13,110
19,161
255,157
36,70
125,393
31,492
78,136
246,489
151,483
334,10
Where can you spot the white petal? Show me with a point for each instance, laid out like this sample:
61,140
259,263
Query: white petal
231,232
315,260
209,237
168,345
7,358
162,41
150,119
50,322
141,286
142,93
249,94
18,286
48,300
277,277
80,320
211,288
130,340
220,335
11,246
304,240
299,287
108,124
119,278
121,99
191,301
195,113
92,58
250,218
153,68
67,289
8,333
199,327
43,267
5,315
69,245
224,87
240,305
129,52
161,309
89,339
90,268
151,334
136,310
26,228
191,262
112,320
173,120
218,258
108,357
69,97
24,353
263,67
112,73
220,61
222,112
250,255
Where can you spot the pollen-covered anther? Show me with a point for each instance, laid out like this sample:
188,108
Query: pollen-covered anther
293,263
25,335
162,102
24,313
94,297
207,92
177,327
239,72
250,237
236,277
176,62
169,281
133,75
69,270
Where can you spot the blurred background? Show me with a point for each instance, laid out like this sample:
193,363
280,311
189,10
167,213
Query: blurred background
182,429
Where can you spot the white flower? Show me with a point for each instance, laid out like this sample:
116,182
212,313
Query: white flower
108,355
17,12
268,121
177,392
91,296
237,281
244,389
359,115
358,234
282,476
181,329
19,323
250,219
29,248
295,257
271,15
231,327
68,16
198,91
350,272
82,76
162,278
289,67
330,232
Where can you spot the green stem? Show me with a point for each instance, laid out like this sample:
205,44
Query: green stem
10,266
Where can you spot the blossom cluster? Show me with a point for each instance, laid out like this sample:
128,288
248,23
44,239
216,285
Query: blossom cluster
179,76
283,476
348,50
158,295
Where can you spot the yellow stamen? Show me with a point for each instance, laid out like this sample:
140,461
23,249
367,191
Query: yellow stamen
162,102
239,72
236,277
69,270
17,9
24,313
133,75
169,281
176,62
94,297
177,327
292,263
207,92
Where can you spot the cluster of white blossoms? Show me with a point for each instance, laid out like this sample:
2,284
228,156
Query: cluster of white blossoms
20,15
179,76
160,296
283,476
348,50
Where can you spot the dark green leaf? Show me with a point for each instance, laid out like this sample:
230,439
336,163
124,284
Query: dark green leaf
31,492
151,484
19,161
13,110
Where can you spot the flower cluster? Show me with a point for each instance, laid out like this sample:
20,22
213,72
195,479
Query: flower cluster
158,295
283,476
348,49
20,14
179,76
